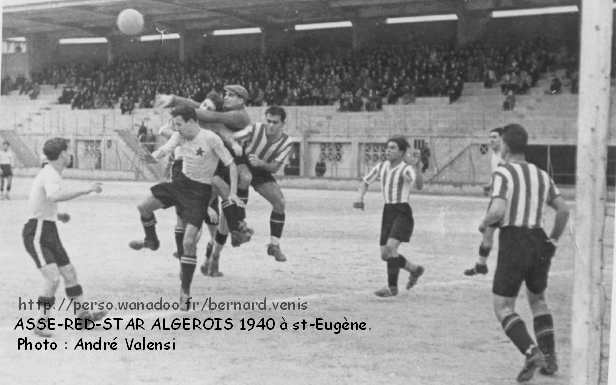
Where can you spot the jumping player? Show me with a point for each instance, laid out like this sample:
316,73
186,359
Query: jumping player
40,234
7,162
190,192
266,146
397,176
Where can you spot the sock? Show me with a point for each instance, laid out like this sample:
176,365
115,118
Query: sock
232,214
393,271
516,331
221,239
75,293
187,264
149,227
243,195
276,224
8,186
1,184
544,332
179,240
400,261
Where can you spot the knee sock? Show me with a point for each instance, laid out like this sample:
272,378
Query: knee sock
393,272
276,226
243,195
516,331
149,227
544,332
187,265
179,240
232,214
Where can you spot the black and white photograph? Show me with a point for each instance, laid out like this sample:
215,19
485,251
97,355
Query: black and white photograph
307,192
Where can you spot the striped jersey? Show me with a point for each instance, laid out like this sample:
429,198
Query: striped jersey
526,189
255,141
396,182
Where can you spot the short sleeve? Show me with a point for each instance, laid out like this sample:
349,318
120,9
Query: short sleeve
284,153
499,185
409,173
219,149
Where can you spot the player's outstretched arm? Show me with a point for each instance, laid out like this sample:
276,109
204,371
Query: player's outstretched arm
168,147
61,196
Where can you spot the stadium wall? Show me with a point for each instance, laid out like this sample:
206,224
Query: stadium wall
347,144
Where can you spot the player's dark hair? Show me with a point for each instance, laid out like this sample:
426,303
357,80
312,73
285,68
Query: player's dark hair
187,113
498,130
6,142
53,148
400,141
277,111
516,138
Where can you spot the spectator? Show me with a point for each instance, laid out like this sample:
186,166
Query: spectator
509,103
555,86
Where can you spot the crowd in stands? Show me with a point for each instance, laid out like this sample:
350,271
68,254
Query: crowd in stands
31,88
361,80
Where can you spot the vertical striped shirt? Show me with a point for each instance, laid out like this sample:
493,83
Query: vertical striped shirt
526,189
396,182
255,142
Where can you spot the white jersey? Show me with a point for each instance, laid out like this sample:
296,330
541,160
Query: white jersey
200,155
46,182
6,157
396,182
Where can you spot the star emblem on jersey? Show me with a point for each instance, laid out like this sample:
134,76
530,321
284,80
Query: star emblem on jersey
200,152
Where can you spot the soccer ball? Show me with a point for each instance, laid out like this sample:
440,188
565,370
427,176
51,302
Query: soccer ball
130,22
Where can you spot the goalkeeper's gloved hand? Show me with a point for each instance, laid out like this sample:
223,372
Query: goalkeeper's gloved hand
359,205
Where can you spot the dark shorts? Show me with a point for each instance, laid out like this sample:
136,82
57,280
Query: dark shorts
397,223
6,170
176,169
521,258
188,196
222,171
260,176
43,243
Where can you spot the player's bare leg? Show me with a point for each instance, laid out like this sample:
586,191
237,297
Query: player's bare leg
273,194
188,262
485,247
51,277
395,262
243,184
148,220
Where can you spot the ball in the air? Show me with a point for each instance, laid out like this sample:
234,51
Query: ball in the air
130,22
